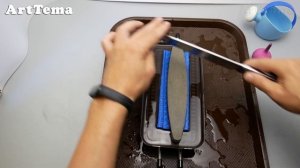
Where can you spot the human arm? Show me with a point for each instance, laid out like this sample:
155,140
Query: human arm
286,90
129,70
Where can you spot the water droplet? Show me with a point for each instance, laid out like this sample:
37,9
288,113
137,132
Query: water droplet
206,156
215,130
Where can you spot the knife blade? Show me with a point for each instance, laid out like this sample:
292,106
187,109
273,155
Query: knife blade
216,58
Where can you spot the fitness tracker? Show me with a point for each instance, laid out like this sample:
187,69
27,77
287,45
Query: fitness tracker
103,91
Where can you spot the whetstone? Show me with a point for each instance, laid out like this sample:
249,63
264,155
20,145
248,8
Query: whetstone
177,93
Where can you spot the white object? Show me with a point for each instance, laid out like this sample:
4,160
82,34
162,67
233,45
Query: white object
14,38
251,13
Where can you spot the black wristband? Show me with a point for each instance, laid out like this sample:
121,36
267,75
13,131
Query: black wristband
111,94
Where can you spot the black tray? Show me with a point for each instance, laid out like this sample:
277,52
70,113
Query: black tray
233,132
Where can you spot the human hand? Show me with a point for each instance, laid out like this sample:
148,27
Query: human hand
130,64
286,91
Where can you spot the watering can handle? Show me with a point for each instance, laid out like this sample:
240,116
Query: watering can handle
281,3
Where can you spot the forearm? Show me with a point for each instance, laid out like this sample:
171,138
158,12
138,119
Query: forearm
99,142
129,68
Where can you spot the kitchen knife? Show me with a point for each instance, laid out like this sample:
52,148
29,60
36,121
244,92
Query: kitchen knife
216,58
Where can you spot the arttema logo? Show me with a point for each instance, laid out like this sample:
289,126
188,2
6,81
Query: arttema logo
38,10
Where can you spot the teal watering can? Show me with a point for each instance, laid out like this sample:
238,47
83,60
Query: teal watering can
272,23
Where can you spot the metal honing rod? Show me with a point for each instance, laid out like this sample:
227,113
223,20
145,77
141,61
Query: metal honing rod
180,160
159,159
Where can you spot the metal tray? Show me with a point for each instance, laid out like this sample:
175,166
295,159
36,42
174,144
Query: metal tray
233,135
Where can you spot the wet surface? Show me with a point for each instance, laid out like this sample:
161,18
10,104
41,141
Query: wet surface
232,125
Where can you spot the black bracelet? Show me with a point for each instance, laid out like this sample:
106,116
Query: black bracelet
111,94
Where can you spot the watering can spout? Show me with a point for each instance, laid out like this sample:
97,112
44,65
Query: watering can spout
252,13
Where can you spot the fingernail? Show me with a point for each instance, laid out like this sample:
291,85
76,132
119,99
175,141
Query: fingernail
248,76
159,19
167,23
